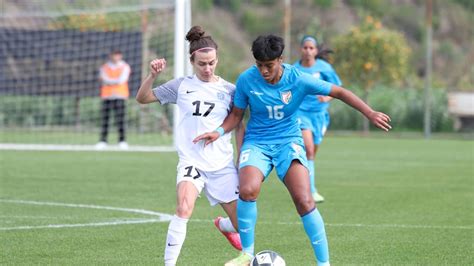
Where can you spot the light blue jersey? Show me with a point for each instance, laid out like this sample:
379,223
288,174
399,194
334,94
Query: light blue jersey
273,107
322,70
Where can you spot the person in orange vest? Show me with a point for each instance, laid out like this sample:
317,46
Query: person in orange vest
114,92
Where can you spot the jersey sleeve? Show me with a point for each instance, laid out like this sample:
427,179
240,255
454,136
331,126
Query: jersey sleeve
168,92
313,85
240,97
331,77
231,89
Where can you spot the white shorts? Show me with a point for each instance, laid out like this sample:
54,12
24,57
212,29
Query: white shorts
221,186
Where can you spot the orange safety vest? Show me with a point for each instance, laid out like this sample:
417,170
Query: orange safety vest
117,90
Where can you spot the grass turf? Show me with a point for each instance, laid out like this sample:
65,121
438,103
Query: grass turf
389,201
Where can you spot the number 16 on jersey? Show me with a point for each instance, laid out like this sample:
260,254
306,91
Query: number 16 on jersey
274,112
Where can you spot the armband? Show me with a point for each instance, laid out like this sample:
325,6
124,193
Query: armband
220,130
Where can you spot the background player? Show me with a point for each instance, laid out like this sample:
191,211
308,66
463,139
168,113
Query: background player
313,116
273,92
114,92
204,100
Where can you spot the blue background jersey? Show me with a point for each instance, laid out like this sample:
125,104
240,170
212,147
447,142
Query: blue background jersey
322,70
273,107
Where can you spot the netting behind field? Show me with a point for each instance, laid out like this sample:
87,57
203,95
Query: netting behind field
50,55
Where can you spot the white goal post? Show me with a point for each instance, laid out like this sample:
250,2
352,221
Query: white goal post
50,55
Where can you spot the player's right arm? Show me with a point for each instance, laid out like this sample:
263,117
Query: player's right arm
145,94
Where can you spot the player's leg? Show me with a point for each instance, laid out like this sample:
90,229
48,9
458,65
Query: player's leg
104,112
254,166
222,187
319,122
310,151
250,182
297,183
228,225
120,119
188,189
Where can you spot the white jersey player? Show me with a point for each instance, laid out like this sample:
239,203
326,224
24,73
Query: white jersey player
204,100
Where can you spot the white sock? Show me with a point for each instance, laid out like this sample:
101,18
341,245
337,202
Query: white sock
226,225
175,239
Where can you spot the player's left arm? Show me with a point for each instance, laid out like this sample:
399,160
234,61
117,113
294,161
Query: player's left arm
230,122
379,119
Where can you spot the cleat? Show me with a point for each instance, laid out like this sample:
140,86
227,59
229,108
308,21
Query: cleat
317,197
101,145
243,259
233,238
123,145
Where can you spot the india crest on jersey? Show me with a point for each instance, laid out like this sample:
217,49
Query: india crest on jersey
285,97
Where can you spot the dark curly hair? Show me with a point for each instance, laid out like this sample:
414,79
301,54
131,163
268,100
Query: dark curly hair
267,47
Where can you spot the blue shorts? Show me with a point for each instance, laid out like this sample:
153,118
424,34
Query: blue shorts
317,122
266,156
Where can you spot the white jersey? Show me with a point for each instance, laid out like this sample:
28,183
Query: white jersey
203,106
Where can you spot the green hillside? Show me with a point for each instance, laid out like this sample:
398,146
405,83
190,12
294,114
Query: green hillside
236,23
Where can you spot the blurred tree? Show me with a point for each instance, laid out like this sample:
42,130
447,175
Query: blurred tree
369,55
325,4
99,22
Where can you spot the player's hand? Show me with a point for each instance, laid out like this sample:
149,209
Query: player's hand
324,99
208,137
157,66
380,120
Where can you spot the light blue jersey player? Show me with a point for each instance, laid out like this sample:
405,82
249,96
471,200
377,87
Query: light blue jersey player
273,117
273,92
313,116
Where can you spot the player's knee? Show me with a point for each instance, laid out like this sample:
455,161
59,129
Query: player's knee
248,193
304,204
184,209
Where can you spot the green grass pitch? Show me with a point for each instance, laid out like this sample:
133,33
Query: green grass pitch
389,201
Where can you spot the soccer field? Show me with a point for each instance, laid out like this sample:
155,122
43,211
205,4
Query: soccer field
388,201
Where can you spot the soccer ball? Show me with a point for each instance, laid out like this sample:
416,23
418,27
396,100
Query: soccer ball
267,258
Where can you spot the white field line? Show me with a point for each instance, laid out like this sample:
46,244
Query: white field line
59,147
159,215
163,217
405,226
52,226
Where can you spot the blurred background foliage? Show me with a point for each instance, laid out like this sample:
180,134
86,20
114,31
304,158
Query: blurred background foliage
453,44
379,48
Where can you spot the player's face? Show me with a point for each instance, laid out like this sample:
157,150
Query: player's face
308,50
270,70
115,57
205,64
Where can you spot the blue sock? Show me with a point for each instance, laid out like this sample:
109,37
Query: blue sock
314,227
311,176
247,218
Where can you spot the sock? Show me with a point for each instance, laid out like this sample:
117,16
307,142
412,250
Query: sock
175,239
314,227
226,225
312,182
247,218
